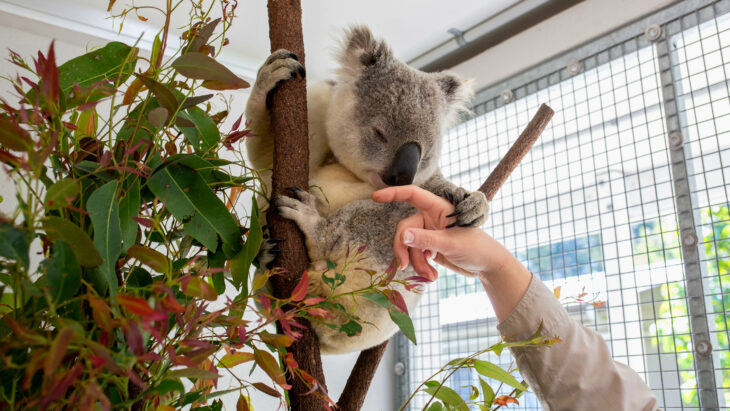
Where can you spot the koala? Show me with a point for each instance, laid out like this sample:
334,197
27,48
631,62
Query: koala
378,123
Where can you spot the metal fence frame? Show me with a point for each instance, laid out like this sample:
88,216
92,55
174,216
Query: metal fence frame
557,69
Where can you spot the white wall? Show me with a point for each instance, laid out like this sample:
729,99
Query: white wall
564,31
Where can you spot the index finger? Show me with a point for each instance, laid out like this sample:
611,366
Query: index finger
417,197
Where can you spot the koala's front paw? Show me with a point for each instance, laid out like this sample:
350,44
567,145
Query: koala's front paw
471,207
302,210
281,65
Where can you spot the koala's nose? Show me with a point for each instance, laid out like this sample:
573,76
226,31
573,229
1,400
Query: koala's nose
405,164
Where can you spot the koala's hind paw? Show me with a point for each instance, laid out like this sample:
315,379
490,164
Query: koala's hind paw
471,207
280,66
302,210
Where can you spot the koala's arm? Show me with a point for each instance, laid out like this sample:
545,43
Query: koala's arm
280,66
471,206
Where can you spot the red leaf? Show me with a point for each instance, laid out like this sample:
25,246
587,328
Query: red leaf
135,305
300,291
290,362
48,72
503,400
57,351
144,221
171,304
237,123
133,337
313,300
397,300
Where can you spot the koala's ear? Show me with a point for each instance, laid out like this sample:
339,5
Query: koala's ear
361,49
457,92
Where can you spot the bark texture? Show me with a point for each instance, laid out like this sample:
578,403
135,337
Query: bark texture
291,169
518,150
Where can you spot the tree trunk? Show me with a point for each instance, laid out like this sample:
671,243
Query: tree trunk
291,169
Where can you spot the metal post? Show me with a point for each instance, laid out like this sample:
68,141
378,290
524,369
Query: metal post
706,386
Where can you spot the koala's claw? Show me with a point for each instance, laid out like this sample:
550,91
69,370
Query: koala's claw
470,207
302,210
267,253
280,66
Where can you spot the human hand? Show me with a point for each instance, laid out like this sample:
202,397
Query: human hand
468,251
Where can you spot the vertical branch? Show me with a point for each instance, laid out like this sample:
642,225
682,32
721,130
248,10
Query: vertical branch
291,169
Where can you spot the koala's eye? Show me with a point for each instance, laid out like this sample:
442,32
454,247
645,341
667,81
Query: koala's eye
378,134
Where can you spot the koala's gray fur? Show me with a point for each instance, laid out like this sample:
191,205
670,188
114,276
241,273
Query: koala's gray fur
379,121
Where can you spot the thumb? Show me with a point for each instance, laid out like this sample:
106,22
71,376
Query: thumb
425,239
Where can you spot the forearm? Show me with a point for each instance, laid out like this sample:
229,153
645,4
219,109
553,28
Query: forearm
577,373
505,282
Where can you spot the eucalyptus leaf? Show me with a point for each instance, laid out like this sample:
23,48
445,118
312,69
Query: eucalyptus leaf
128,209
113,63
450,397
104,213
64,273
14,244
204,134
62,193
58,228
241,263
403,321
493,371
191,201
199,66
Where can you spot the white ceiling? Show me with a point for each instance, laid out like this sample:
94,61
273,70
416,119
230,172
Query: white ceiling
411,27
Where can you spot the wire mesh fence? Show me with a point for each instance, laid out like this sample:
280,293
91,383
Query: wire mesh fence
596,208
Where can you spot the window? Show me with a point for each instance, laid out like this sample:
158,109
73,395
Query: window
632,171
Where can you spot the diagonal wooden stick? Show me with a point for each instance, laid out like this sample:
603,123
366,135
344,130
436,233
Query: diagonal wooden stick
353,396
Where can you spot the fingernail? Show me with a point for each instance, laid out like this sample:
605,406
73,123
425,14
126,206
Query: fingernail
408,237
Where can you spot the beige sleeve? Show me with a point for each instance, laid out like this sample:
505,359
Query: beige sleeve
577,373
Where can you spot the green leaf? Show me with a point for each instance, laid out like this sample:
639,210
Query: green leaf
14,244
58,228
192,373
191,201
64,273
62,193
114,63
493,371
403,321
351,328
379,299
164,96
167,386
487,392
204,134
151,258
435,406
199,66
217,260
104,213
201,36
129,208
331,265
241,263
450,397
139,277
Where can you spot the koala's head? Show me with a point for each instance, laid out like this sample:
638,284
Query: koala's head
385,118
